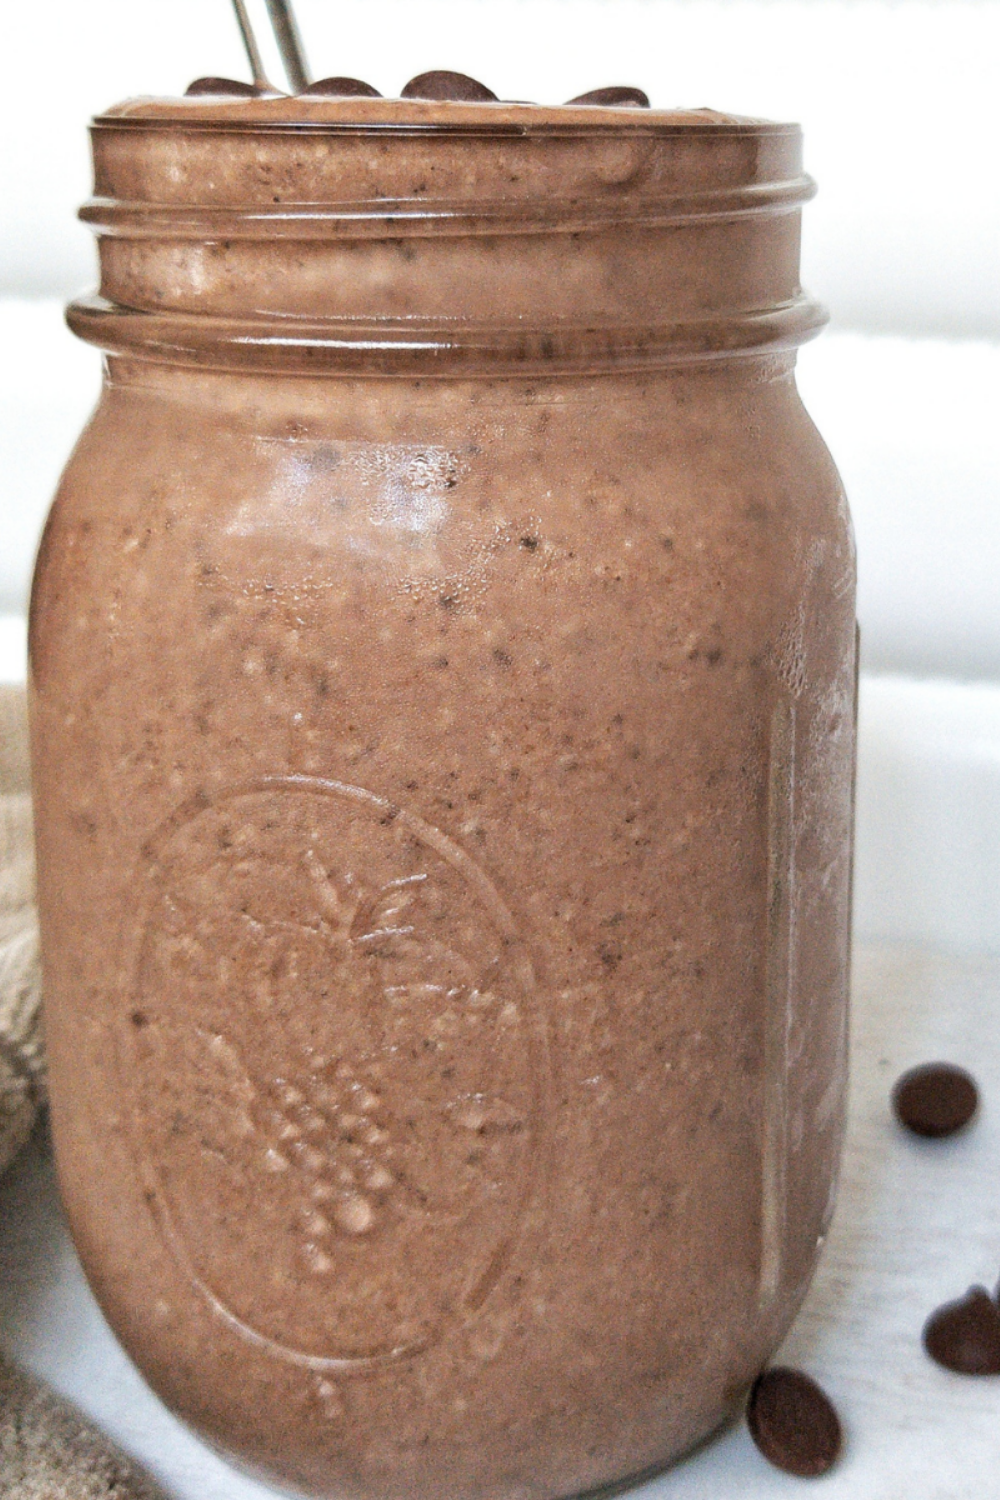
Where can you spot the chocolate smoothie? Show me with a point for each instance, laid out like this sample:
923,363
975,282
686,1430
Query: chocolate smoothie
442,663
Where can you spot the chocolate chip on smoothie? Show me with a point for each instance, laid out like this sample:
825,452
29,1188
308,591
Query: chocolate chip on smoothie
620,96
964,1336
793,1422
234,86
444,85
936,1099
342,88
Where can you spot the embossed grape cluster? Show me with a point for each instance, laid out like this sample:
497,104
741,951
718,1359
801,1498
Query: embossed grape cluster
327,1126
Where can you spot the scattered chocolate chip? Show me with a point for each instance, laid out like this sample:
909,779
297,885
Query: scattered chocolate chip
234,86
620,97
342,88
935,1099
793,1422
964,1336
445,85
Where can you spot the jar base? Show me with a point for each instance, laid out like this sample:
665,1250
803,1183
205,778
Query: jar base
653,1471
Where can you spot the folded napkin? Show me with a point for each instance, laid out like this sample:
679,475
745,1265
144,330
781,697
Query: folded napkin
48,1451
22,1062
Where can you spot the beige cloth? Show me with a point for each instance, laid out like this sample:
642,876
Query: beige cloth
48,1451
22,1060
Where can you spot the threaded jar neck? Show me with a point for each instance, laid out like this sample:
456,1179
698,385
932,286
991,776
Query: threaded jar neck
398,237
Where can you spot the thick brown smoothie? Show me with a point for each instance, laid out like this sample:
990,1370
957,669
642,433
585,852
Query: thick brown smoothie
442,661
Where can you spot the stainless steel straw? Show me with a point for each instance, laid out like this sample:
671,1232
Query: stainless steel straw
289,42
250,43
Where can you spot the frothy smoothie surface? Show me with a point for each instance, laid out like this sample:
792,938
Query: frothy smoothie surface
366,111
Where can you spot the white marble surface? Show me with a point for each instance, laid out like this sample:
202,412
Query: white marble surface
917,1222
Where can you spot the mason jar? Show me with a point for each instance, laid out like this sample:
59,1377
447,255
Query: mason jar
442,678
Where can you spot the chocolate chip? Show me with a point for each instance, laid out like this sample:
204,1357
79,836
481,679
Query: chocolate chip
620,97
342,88
935,1099
445,85
965,1335
793,1422
234,86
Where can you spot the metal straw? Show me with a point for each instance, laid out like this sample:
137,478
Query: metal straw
250,43
289,43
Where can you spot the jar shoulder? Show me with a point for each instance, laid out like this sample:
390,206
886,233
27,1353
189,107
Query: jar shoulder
731,460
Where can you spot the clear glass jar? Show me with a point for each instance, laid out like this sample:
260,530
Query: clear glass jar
442,666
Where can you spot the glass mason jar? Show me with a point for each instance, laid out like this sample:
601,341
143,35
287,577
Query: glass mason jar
442,666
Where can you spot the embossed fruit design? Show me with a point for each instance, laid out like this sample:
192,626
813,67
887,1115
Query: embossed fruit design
362,1067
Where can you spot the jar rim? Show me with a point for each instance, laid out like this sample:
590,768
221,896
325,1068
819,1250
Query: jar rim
377,217
327,235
